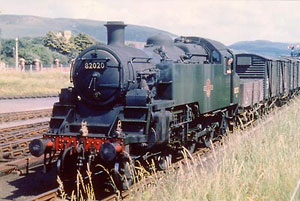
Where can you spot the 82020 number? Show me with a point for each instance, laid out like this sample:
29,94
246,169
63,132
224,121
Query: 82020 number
94,65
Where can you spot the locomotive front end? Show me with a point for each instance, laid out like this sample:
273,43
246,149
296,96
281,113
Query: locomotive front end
98,74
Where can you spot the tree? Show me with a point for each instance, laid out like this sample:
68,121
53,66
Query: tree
51,41
62,58
82,41
30,49
70,48
58,44
46,49
28,56
43,53
1,55
8,48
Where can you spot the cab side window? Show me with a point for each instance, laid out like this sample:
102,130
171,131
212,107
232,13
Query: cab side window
228,65
216,57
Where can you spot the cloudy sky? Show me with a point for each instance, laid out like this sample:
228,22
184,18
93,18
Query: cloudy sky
225,21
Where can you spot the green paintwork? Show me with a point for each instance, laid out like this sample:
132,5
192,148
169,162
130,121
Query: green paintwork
236,88
189,82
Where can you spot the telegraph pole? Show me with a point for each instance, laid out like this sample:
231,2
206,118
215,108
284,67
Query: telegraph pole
17,54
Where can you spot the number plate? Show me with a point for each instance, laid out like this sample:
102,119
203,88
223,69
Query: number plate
95,65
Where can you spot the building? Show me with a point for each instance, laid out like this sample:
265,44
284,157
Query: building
67,34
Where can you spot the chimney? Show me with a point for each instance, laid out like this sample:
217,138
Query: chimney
115,32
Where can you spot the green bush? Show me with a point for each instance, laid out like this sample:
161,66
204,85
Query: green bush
46,49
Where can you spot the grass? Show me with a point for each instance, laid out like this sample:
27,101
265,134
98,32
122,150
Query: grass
84,190
262,163
16,83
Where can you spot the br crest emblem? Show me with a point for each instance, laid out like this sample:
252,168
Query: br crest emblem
208,88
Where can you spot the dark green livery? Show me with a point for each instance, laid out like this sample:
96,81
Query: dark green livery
132,105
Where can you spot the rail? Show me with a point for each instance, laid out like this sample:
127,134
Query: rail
25,115
27,97
14,149
47,196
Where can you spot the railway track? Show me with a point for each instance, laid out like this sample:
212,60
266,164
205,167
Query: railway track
14,141
47,196
14,147
18,116
27,97
22,131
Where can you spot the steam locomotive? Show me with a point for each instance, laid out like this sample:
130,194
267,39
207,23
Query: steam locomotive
131,105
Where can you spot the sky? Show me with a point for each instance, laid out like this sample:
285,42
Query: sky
224,21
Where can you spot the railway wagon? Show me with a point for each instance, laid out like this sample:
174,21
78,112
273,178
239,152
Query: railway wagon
264,82
280,76
293,71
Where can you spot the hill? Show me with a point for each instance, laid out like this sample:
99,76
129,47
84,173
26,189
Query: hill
264,47
13,26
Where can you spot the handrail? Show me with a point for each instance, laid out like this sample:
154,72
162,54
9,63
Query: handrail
147,59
